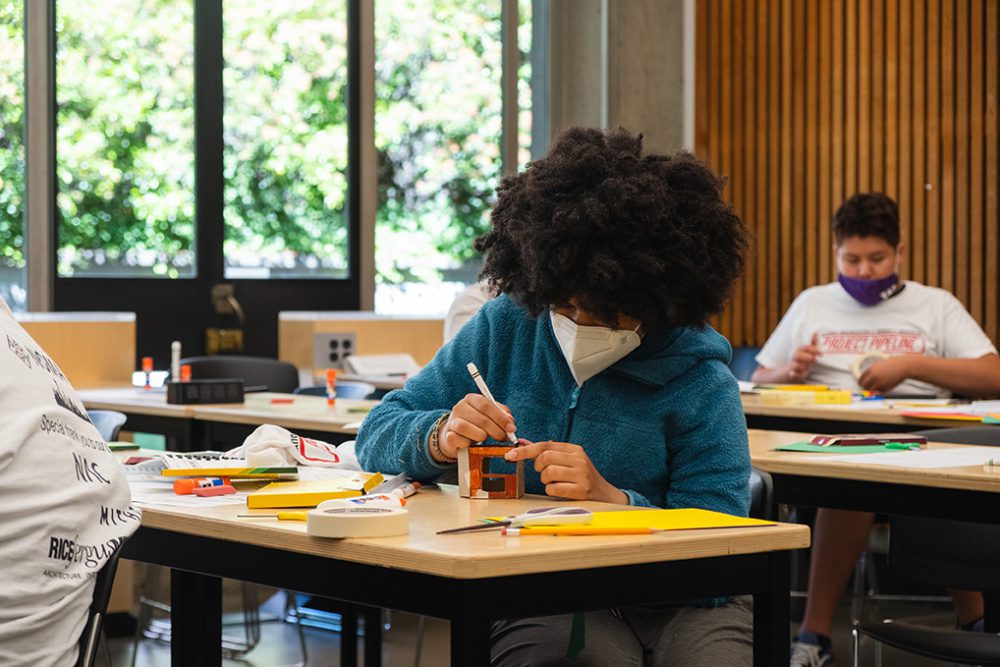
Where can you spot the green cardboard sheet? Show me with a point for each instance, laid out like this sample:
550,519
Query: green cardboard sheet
834,449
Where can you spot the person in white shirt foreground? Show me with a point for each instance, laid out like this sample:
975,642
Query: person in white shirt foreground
64,505
901,338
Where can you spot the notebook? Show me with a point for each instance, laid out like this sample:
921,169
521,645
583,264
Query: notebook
214,465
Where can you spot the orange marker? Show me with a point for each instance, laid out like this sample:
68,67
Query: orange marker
186,486
147,368
331,384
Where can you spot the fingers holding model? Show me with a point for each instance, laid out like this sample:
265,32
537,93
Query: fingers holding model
882,376
567,471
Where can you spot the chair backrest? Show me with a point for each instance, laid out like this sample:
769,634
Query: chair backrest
103,584
108,422
276,375
744,362
954,554
966,435
761,494
345,389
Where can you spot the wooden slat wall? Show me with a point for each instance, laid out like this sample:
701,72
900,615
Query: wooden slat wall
800,104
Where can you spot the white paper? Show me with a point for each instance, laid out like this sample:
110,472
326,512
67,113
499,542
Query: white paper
951,457
158,494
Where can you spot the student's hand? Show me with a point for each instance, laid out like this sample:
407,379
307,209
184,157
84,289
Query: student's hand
883,376
567,472
474,419
803,360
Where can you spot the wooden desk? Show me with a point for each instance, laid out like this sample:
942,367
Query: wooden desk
967,493
470,579
837,418
304,412
800,478
194,427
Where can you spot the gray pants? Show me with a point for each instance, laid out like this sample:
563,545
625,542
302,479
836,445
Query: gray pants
632,637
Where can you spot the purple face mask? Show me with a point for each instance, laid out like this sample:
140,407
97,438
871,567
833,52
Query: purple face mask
870,292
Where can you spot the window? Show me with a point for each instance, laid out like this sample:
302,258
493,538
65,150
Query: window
12,248
125,138
524,84
199,143
438,132
286,139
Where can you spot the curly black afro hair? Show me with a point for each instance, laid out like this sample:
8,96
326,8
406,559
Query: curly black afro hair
645,236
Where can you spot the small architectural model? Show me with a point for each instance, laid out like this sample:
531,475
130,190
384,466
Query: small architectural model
478,479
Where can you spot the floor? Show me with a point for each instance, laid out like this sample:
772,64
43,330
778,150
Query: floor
927,613
279,645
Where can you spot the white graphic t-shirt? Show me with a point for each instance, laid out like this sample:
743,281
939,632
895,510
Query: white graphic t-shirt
918,320
64,505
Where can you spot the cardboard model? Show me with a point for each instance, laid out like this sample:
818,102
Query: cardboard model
477,479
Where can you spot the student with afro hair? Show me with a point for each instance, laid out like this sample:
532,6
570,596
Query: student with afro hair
607,262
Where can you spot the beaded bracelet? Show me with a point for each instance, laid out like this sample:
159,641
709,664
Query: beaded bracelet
436,453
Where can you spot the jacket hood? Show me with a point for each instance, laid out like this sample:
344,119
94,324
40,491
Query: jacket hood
666,355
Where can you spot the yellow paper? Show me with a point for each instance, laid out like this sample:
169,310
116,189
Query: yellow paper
792,387
310,493
780,397
680,519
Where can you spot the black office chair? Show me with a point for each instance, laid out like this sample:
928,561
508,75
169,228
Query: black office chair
950,554
965,435
271,374
345,389
103,584
108,423
761,495
744,361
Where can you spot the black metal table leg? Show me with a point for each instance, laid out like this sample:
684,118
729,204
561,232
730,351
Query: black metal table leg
771,614
470,628
349,635
196,619
373,636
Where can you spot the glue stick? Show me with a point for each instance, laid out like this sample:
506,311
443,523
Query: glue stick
331,384
147,368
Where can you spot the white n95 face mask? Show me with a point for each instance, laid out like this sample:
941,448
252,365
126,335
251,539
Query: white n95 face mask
589,350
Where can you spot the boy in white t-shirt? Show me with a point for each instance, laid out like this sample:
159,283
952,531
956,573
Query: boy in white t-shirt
872,331
64,505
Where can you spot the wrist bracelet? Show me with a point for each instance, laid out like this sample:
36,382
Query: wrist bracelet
435,446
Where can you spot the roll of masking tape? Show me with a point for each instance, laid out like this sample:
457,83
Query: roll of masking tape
863,361
358,522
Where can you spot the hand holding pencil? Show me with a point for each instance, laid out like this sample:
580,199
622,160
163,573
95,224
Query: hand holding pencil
476,418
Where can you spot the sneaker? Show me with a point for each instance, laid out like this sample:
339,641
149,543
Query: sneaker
810,654
978,625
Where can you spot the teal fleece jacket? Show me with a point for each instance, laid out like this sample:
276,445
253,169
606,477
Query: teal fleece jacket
664,424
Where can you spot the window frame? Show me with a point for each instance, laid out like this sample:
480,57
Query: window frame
162,306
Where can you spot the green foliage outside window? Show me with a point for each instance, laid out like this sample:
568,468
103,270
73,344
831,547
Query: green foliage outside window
125,137
437,130
286,137
125,151
11,137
